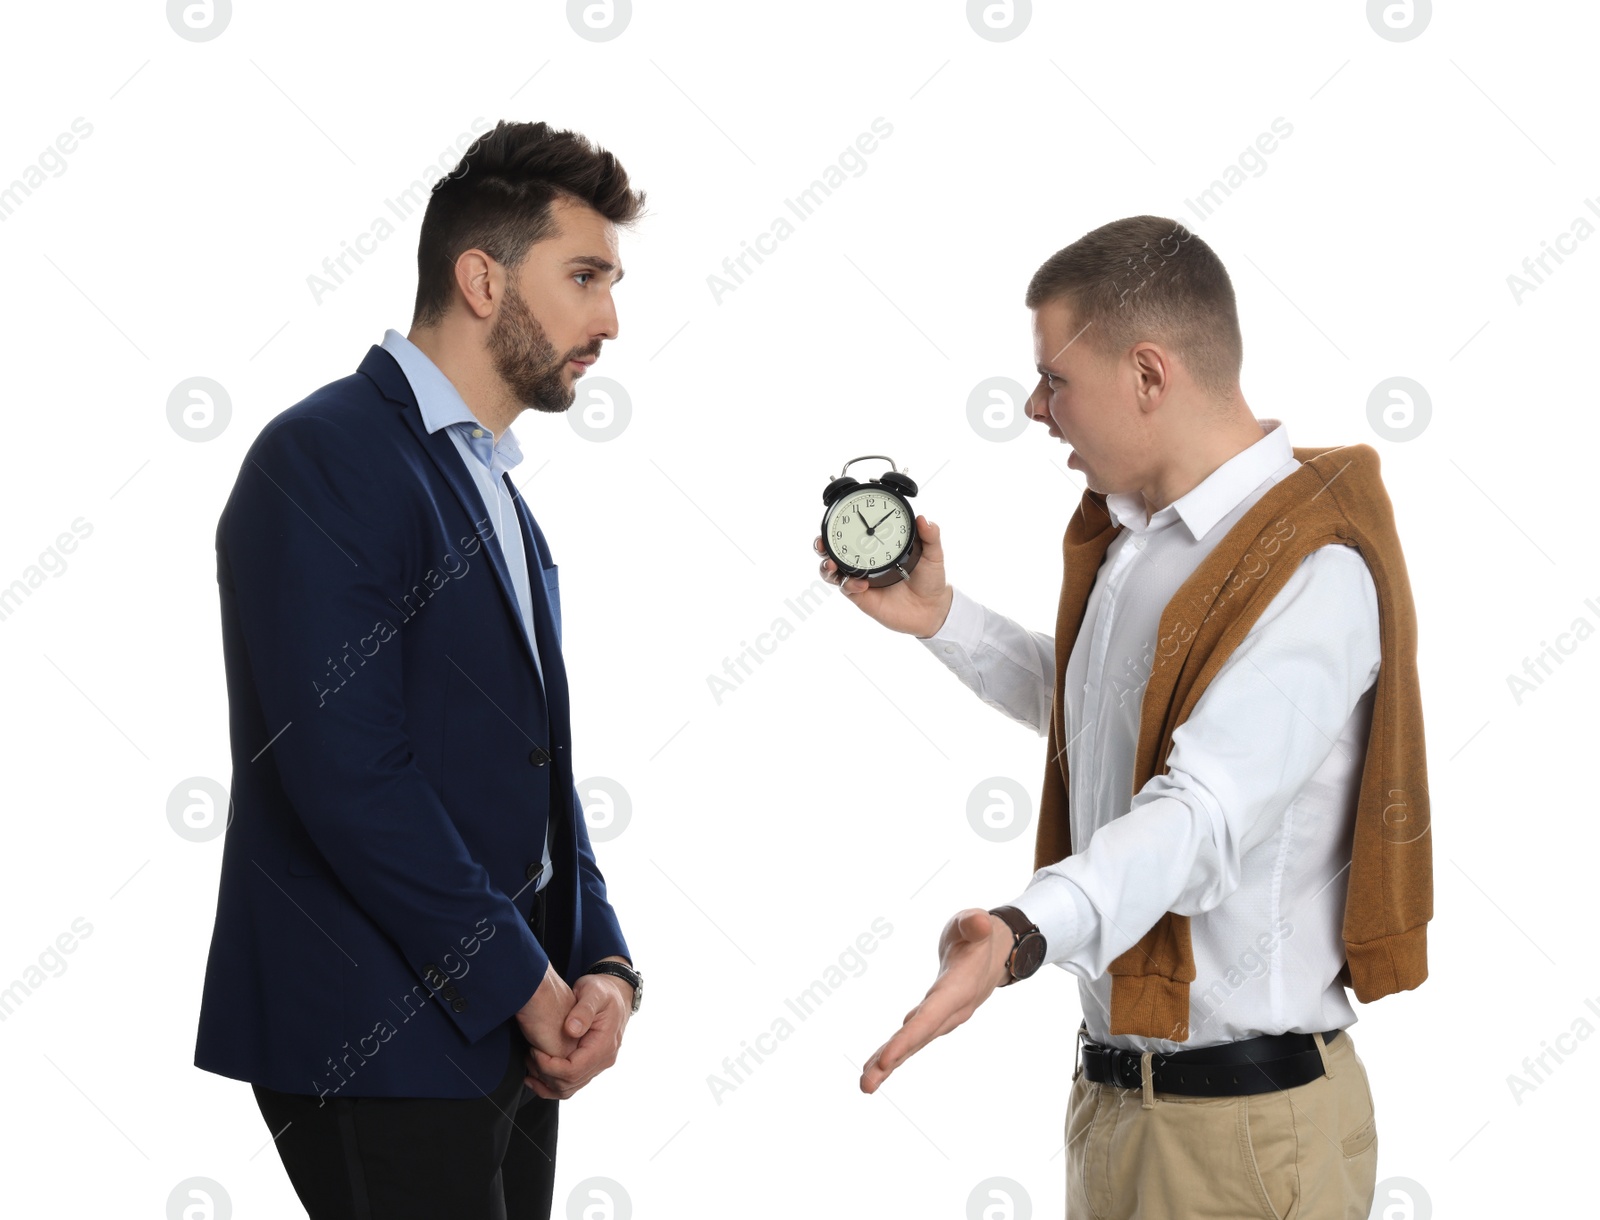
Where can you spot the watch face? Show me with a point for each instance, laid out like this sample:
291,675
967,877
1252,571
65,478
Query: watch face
869,529
1029,955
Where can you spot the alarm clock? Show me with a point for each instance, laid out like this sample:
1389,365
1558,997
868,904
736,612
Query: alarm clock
868,529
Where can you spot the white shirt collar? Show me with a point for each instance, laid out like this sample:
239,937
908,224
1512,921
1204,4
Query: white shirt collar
1215,496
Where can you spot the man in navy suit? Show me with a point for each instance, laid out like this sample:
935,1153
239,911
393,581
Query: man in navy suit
414,959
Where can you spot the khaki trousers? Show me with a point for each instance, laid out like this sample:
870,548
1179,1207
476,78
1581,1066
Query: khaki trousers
1306,1153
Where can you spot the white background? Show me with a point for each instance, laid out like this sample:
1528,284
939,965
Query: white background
178,240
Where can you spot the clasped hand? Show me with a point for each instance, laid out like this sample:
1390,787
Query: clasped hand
574,1032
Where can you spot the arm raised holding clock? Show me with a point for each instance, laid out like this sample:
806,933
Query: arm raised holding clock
1009,667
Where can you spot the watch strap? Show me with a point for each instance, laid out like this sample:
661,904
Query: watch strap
624,972
1021,926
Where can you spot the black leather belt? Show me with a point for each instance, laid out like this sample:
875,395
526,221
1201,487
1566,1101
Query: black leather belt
1250,1065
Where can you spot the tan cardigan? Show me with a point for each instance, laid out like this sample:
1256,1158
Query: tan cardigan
1335,496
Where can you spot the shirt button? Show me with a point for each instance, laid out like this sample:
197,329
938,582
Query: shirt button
1138,544
949,647
477,432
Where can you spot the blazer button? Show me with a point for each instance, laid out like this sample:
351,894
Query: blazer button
533,870
538,756
458,1005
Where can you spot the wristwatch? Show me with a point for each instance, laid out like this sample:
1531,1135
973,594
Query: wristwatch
1027,949
627,974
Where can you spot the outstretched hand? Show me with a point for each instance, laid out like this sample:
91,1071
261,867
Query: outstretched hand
972,962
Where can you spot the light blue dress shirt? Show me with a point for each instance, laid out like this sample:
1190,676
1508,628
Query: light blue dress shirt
487,461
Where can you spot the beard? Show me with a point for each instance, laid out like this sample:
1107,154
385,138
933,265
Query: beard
527,361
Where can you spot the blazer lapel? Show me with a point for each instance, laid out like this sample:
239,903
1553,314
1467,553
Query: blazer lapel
567,929
386,372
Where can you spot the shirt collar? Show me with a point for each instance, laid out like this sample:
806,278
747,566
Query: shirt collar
441,403
1218,494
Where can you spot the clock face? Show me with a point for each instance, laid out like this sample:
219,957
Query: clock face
870,528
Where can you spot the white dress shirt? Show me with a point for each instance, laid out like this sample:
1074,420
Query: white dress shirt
487,461
1249,831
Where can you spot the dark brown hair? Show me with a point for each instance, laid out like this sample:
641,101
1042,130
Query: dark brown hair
1148,277
498,199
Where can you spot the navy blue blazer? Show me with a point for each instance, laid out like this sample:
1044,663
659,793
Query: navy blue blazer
395,763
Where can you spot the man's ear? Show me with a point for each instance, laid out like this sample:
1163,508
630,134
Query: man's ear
480,280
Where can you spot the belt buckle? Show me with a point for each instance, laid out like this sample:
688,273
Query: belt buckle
1077,1054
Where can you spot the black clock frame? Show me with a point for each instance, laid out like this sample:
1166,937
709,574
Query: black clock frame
893,484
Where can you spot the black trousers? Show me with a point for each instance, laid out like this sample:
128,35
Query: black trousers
421,1158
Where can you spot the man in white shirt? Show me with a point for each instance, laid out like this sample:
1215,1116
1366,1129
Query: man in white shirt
1248,829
